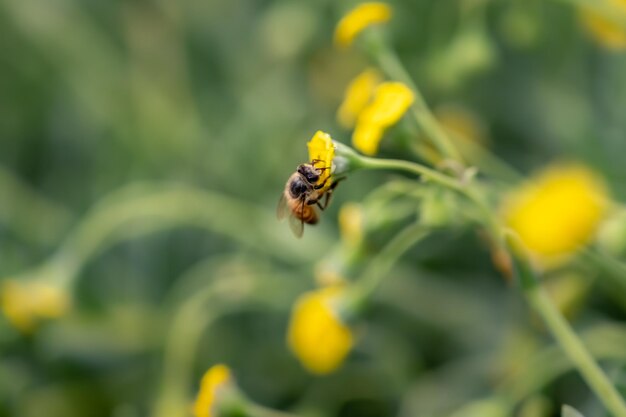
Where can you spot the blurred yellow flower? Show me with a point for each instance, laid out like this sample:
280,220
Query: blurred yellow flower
390,103
316,334
604,31
356,97
322,152
25,303
213,380
558,211
359,18
351,224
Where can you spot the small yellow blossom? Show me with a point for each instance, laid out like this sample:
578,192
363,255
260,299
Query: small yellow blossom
322,152
351,224
316,334
24,303
217,377
390,103
558,211
359,18
605,31
357,96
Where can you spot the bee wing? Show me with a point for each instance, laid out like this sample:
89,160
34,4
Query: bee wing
296,225
283,210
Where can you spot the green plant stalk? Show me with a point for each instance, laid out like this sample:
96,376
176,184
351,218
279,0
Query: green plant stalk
576,351
380,266
571,344
389,62
467,190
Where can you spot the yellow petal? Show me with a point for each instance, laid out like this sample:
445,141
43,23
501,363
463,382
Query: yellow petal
558,211
216,377
357,96
604,31
25,303
359,18
366,138
322,152
391,101
351,224
316,334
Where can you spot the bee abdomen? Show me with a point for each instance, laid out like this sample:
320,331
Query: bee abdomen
309,215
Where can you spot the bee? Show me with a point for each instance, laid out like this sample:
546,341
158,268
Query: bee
302,193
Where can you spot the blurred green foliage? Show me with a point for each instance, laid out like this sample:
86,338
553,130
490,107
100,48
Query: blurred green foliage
198,111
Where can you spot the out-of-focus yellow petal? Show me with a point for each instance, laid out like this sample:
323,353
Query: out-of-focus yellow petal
605,32
390,103
316,334
351,224
366,138
359,18
25,303
558,211
215,378
357,96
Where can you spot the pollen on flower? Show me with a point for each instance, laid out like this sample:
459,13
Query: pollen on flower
390,103
557,212
213,380
316,334
359,18
322,152
25,303
357,96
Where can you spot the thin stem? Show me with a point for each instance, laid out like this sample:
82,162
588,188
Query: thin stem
489,220
380,266
412,167
576,351
391,65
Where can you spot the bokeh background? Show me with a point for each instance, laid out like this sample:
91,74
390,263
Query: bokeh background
144,145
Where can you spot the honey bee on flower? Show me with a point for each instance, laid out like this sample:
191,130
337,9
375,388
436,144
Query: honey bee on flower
311,185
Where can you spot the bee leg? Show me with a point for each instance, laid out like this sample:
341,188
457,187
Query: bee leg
322,185
329,193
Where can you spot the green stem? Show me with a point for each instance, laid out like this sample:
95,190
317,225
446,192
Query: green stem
488,219
392,66
565,335
380,266
412,167
576,351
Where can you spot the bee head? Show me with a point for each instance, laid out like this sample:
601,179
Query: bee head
309,172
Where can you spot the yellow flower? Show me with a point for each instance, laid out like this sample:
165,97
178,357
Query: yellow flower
322,152
390,103
356,97
606,32
351,224
24,303
316,334
217,377
359,18
559,211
